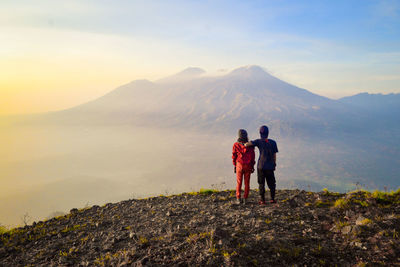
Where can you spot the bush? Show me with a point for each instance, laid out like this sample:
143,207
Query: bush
341,203
207,191
3,229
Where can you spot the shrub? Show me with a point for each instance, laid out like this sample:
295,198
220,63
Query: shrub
329,193
387,198
3,229
341,203
207,191
322,204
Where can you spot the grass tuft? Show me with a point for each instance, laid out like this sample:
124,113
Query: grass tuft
341,203
366,221
3,229
322,204
207,191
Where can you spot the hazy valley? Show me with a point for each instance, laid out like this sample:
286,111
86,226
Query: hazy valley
176,134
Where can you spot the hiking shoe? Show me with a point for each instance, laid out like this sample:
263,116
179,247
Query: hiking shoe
245,201
238,201
261,202
272,201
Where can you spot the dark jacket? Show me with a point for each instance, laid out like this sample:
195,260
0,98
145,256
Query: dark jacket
267,148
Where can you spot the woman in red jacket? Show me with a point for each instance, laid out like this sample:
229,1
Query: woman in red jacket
243,160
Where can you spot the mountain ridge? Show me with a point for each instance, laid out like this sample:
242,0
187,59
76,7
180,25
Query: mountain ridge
247,95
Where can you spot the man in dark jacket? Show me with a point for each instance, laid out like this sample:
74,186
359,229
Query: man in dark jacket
266,163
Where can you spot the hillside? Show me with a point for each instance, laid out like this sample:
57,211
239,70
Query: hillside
383,110
206,228
247,96
375,102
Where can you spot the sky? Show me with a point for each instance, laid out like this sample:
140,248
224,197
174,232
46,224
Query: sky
58,54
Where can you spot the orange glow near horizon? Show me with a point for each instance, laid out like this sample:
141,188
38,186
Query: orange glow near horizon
32,85
45,69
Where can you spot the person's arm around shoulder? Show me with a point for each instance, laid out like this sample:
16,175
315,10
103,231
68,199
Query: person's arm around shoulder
250,143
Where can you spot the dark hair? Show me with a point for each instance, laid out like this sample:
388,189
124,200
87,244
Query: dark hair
264,131
242,134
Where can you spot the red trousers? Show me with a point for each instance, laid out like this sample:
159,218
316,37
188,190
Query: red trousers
243,171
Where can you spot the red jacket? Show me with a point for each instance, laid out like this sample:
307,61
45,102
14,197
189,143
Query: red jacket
243,155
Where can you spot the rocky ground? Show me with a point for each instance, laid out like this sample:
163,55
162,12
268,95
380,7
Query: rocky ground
207,228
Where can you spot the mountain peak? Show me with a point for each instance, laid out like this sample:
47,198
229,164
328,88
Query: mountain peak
192,71
250,70
186,74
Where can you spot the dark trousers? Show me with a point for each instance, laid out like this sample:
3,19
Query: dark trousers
268,175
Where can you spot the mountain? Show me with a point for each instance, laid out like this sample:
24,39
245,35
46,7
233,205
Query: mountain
206,229
376,102
382,109
186,74
247,96
176,134
363,138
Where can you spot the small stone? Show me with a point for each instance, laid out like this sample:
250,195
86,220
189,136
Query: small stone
74,210
2,252
360,220
373,240
326,226
345,230
144,260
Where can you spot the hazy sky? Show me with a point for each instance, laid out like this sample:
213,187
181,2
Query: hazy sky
56,54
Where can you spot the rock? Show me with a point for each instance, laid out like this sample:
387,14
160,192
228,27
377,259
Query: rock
356,229
346,230
360,220
373,240
193,230
74,210
325,226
